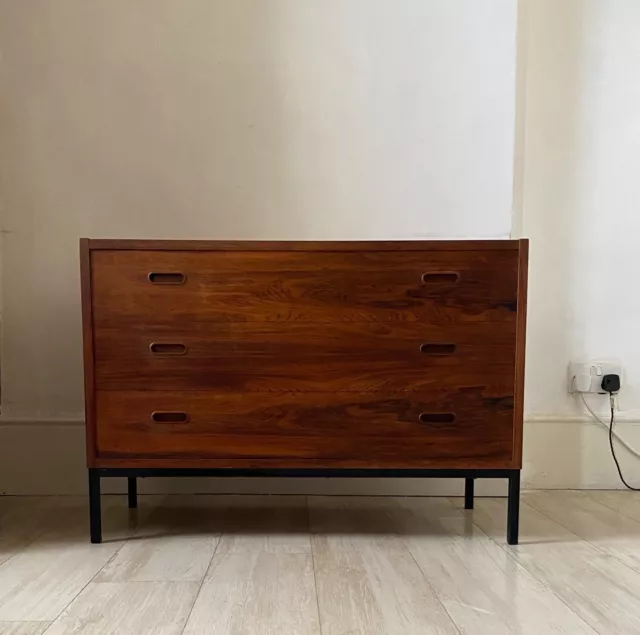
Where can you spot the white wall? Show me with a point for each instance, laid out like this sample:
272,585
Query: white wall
120,118
68,170
582,192
581,209
246,119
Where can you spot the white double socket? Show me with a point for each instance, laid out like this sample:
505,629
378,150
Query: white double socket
587,376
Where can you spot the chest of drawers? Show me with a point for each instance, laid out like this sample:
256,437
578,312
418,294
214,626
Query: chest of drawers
304,358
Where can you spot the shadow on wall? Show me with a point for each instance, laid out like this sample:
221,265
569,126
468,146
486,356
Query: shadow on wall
127,120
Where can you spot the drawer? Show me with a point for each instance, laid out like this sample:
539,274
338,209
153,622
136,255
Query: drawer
448,424
330,357
173,288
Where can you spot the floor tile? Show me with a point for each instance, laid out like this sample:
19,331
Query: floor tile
168,558
383,566
23,628
22,520
482,587
275,524
257,593
612,532
598,587
367,581
624,502
175,542
128,608
181,515
348,522
40,581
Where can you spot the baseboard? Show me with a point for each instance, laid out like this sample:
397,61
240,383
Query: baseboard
573,453
48,457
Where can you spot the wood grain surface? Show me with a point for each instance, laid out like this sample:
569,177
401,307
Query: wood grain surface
336,357
371,425
88,349
521,346
302,286
290,354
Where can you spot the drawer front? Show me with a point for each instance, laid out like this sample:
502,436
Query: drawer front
329,357
444,425
173,288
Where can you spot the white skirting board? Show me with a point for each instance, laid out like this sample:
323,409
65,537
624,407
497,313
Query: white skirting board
48,457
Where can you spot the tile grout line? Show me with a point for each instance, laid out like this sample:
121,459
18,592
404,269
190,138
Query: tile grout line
313,564
436,595
585,540
204,577
613,509
13,555
595,546
29,543
511,553
75,597
617,511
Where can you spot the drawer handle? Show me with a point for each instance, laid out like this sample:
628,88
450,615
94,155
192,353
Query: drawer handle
445,277
438,349
161,416
437,417
158,348
159,277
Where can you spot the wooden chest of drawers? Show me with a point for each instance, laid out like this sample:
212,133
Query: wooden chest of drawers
303,358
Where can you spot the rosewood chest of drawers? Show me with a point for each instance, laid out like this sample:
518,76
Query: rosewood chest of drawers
304,359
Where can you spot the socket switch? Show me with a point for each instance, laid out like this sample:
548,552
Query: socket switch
587,376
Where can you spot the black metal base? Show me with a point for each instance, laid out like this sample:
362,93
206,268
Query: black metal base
132,492
468,493
95,474
95,509
513,509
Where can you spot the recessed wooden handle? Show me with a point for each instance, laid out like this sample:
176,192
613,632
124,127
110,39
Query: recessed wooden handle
437,417
161,348
166,277
440,277
162,416
438,349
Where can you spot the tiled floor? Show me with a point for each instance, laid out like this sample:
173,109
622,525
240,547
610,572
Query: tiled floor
227,565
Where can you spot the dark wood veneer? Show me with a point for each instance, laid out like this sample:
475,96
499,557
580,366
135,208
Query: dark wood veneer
304,286
277,354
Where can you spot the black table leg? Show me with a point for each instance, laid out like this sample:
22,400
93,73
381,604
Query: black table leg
468,493
132,485
513,513
95,510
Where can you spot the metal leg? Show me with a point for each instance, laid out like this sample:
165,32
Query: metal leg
513,513
133,492
468,493
95,510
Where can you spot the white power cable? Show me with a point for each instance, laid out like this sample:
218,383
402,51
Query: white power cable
621,441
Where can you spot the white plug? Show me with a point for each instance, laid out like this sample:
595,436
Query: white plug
582,383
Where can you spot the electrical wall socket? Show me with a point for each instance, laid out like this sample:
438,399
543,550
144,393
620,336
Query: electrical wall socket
587,376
